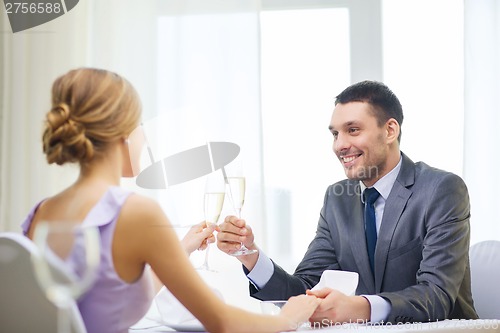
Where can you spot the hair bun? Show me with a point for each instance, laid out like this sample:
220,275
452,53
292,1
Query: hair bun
92,110
64,138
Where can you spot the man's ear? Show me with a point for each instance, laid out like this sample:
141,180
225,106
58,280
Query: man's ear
393,130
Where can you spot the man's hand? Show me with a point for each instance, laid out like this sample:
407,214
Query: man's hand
232,232
337,307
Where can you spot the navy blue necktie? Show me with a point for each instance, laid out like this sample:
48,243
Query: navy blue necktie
370,196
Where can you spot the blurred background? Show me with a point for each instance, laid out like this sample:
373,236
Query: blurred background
264,75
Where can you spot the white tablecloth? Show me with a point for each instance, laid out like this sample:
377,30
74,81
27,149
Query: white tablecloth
445,326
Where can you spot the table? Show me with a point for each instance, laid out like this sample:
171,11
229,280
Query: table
445,326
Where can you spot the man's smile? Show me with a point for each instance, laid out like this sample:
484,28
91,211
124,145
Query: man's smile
348,160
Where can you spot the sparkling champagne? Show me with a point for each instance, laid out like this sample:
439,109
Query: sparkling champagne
213,206
237,188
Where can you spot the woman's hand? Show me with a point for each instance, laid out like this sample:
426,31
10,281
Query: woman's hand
198,237
299,309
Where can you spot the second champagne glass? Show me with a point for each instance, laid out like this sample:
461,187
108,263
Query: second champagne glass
237,194
213,202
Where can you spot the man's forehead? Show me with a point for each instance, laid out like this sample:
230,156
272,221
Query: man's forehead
350,113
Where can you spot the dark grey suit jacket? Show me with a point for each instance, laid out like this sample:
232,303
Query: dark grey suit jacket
421,258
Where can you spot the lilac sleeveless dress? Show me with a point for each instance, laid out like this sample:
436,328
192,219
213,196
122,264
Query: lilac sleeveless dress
111,305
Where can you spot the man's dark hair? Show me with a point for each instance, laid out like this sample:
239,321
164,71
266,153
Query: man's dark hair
384,102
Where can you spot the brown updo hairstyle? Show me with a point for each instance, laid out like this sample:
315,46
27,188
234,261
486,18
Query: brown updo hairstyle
91,108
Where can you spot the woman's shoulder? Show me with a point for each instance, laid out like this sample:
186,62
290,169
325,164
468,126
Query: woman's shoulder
141,220
140,201
138,207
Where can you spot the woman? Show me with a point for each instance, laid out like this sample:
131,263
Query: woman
92,116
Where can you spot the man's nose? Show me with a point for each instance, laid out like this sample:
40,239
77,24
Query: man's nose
341,143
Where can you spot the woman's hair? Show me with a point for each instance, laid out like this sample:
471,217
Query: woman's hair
91,108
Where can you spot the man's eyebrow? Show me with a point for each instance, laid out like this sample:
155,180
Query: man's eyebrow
347,124
350,123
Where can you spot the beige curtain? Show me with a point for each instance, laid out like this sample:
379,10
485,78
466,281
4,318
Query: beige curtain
115,35
30,61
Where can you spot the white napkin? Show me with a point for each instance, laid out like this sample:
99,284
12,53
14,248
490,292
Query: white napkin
173,313
343,281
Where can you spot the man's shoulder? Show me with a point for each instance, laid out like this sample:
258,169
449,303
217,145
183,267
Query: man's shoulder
427,175
422,168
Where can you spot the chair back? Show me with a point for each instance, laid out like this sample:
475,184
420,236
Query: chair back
485,277
24,307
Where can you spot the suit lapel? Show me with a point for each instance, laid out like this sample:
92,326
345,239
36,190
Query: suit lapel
394,207
358,240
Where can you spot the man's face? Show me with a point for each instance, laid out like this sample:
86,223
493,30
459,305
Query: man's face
359,143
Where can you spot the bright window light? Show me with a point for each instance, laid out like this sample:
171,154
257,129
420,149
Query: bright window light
305,64
424,66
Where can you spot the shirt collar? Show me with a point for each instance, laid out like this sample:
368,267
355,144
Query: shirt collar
384,184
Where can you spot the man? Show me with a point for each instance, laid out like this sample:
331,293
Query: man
411,253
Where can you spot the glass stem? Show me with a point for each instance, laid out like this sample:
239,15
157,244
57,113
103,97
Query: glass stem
242,246
205,263
63,318
238,213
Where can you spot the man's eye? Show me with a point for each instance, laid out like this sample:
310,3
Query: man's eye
353,130
335,134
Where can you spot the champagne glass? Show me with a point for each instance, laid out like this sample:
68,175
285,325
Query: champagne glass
213,202
67,264
237,194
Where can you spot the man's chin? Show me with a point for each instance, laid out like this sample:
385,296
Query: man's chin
361,173
352,175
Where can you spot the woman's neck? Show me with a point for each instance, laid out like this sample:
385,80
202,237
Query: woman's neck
105,170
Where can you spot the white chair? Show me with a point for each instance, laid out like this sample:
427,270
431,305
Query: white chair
24,308
485,274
